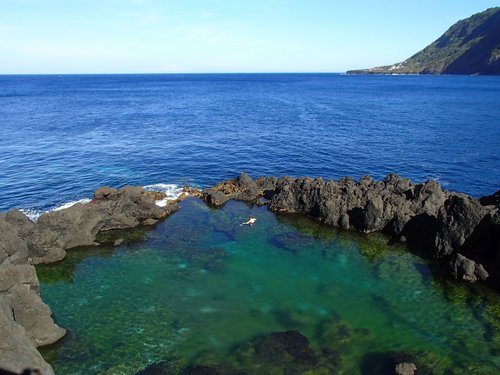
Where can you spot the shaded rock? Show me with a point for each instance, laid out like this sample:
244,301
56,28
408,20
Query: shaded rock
466,269
456,221
493,199
267,185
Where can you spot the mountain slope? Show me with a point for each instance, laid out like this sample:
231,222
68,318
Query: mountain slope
471,46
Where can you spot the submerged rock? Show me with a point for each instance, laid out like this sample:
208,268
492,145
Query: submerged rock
405,368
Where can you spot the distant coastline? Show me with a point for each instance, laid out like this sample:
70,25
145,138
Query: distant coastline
469,47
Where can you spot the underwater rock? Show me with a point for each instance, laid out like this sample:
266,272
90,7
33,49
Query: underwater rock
286,352
288,346
393,363
171,366
405,368
292,241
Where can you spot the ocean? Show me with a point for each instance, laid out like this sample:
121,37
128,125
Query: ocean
198,288
61,137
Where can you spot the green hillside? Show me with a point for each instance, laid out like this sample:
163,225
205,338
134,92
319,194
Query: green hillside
471,46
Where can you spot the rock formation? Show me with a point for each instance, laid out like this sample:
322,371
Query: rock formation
24,318
462,232
452,227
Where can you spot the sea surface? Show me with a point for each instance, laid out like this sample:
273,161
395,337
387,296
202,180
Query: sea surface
61,137
198,288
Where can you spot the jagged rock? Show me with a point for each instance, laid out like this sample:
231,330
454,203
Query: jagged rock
466,269
55,232
456,221
215,197
242,188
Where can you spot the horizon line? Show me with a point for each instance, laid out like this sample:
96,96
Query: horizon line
164,73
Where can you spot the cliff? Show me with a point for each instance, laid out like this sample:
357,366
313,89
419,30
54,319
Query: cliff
469,47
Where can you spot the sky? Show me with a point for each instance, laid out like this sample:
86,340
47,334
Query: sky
219,36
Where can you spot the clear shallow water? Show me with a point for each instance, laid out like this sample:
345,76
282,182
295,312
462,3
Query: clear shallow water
61,137
198,285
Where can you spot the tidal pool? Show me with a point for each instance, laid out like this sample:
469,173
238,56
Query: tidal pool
198,288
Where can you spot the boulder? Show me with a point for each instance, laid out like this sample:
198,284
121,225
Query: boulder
241,188
463,268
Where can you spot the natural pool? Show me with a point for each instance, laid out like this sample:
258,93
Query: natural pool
200,288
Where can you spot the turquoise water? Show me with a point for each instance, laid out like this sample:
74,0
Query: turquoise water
198,285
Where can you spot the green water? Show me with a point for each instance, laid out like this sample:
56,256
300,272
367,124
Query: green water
198,286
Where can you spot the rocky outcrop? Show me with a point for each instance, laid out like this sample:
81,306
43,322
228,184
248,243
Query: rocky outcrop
24,319
242,188
432,221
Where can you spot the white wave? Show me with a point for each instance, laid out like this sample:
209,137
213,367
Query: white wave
72,203
33,214
172,192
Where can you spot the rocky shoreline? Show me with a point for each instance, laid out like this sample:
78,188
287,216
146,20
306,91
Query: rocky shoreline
24,318
461,232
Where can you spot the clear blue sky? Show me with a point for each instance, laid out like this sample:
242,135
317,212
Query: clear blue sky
162,36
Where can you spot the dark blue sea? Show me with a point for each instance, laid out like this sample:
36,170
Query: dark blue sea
61,137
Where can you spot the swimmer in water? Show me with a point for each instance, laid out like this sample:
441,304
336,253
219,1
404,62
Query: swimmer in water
251,221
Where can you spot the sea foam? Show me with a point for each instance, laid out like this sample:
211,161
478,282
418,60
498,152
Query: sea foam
172,192
33,214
